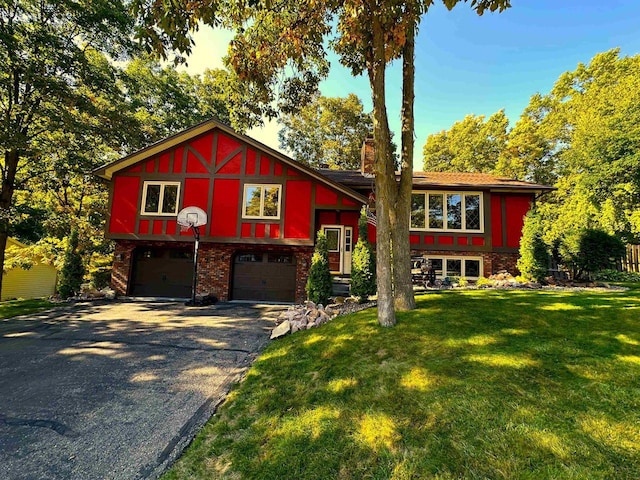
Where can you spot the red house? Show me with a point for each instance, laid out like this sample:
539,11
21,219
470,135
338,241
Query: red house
264,209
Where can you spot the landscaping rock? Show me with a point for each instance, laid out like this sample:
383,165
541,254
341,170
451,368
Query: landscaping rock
281,330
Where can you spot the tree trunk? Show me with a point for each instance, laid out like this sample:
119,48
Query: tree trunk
404,299
11,159
385,178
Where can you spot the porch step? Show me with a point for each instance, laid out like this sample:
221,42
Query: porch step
340,286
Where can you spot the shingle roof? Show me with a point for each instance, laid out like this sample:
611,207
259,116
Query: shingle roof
353,178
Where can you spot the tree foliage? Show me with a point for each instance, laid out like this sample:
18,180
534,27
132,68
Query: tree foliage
588,251
534,255
319,283
328,132
72,271
363,264
471,145
54,79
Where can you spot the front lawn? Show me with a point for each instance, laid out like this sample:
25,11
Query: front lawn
472,384
13,308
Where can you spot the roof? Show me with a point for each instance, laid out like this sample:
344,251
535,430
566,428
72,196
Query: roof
107,171
354,179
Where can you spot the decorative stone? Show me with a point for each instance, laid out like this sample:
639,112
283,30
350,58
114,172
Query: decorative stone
281,330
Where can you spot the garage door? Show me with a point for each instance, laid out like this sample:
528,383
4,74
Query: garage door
162,272
264,276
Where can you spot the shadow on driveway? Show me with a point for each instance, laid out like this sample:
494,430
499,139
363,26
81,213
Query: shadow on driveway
117,390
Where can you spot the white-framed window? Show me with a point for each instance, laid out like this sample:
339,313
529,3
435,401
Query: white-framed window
261,200
451,266
447,211
160,198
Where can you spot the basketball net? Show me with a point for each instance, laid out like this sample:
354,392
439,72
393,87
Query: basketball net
185,228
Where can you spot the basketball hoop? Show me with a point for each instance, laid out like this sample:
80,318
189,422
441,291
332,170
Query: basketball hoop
192,218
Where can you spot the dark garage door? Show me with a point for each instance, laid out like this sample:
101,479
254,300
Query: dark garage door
162,272
264,276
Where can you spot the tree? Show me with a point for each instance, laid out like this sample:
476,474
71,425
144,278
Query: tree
590,125
72,271
328,131
319,282
49,78
588,251
164,101
280,51
471,145
363,264
534,256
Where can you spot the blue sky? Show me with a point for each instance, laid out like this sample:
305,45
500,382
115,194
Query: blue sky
468,64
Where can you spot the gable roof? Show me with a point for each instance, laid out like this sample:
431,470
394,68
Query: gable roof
107,171
441,180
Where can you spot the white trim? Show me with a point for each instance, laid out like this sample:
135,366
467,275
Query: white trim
159,213
462,194
444,258
262,186
341,243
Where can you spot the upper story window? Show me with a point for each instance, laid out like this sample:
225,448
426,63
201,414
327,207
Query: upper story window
160,198
452,211
262,201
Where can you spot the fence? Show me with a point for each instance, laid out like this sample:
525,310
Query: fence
631,263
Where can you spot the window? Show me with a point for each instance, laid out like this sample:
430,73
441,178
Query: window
468,267
333,239
453,211
160,198
262,201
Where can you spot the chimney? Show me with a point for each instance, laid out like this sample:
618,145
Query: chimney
367,155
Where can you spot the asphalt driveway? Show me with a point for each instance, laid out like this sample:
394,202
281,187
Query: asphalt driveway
117,390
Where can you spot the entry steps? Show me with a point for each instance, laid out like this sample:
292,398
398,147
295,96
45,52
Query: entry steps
340,286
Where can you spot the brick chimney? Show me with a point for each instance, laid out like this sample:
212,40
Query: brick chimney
367,154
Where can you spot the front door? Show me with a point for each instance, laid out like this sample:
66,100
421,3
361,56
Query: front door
340,245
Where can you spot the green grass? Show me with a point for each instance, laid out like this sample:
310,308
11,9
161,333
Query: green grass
12,308
472,384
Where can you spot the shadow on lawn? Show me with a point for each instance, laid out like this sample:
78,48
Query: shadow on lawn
471,385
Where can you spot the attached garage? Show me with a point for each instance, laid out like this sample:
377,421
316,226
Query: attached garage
264,276
162,272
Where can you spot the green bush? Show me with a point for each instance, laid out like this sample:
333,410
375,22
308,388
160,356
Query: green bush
589,251
484,282
100,277
72,271
534,255
463,282
319,282
609,275
363,264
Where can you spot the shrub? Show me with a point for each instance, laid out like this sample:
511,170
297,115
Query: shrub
484,282
463,282
609,275
534,255
72,269
319,282
589,251
100,277
363,264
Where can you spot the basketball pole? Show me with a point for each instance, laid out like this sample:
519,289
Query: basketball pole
196,236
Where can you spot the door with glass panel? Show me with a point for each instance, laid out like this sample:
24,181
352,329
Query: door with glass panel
340,246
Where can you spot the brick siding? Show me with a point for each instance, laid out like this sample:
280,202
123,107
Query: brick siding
215,263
